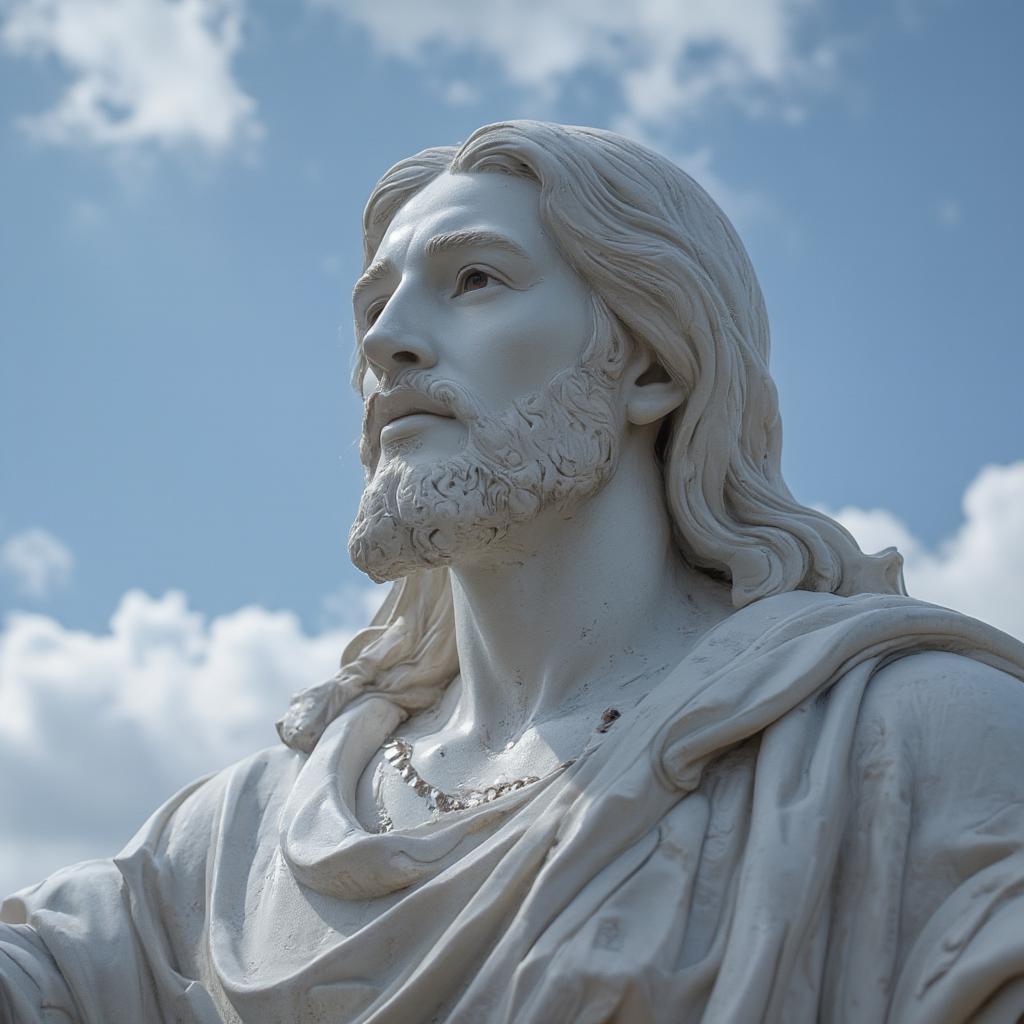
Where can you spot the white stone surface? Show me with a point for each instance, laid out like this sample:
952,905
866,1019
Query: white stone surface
808,806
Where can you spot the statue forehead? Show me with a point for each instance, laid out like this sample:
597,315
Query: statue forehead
488,200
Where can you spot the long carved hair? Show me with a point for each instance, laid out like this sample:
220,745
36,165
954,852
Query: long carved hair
666,265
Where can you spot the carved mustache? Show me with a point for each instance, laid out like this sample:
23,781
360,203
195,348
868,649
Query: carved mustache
436,397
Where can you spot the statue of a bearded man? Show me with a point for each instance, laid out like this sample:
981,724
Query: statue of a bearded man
636,736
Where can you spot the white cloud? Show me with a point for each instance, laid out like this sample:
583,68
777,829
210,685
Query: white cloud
143,71
97,729
668,59
980,569
37,562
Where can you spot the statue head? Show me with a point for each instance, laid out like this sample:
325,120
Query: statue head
664,270
491,383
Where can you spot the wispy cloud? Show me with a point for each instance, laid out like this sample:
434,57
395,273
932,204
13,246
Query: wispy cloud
142,72
37,562
948,213
664,62
745,207
459,93
85,215
352,605
667,59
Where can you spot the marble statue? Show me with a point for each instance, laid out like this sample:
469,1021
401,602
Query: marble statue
636,736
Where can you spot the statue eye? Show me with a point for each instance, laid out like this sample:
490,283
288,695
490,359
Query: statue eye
472,280
373,313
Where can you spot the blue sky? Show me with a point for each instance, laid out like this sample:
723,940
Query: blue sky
183,186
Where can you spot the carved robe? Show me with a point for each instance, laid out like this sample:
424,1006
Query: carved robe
818,815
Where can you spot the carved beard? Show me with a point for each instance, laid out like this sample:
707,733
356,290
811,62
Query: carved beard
552,449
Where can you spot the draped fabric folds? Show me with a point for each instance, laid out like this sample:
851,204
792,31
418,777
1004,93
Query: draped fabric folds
818,815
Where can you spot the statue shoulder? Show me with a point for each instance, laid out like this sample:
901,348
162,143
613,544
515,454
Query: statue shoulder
178,835
947,711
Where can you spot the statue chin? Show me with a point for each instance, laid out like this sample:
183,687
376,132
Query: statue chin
406,522
414,517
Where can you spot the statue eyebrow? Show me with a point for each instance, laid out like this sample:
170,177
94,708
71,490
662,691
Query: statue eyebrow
373,273
468,239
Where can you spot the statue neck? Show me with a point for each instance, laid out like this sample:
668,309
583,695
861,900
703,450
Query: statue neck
574,607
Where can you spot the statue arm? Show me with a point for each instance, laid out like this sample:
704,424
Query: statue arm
32,988
104,941
941,760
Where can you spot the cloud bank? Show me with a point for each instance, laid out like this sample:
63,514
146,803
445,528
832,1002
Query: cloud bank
142,71
980,569
96,730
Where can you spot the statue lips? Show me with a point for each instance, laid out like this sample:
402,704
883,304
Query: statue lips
383,410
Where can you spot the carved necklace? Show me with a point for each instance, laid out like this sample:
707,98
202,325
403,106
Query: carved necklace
398,754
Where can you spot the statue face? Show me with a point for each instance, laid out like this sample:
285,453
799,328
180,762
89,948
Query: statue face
502,321
479,411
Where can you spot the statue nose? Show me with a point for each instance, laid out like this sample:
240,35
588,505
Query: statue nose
390,347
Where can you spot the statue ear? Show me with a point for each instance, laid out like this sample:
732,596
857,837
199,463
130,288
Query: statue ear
650,393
